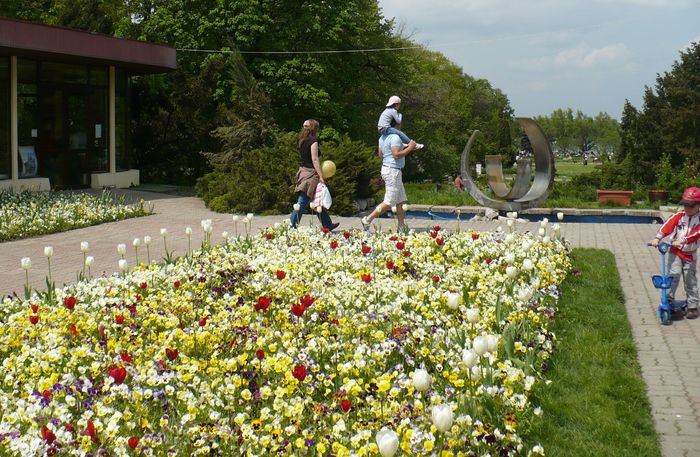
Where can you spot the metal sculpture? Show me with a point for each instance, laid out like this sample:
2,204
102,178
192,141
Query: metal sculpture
522,195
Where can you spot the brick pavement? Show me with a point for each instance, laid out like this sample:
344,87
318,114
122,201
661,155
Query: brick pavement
669,356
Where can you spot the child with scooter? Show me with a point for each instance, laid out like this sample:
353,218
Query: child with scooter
683,228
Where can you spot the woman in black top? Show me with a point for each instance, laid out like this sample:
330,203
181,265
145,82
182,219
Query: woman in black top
309,174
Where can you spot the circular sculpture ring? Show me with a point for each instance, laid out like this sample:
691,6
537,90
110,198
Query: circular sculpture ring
522,195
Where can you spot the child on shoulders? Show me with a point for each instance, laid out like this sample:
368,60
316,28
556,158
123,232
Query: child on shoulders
391,117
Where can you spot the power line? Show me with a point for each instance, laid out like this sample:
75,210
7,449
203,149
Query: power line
337,51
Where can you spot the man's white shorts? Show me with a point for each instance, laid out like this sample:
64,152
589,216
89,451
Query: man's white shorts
395,192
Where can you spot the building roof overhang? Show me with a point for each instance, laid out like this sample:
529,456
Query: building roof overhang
45,42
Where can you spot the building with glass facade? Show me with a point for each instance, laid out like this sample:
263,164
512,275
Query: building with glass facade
64,105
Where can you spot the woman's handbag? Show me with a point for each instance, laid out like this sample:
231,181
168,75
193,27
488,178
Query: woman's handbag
322,196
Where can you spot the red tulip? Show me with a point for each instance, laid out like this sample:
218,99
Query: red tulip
346,234
326,230
307,300
366,249
437,228
433,234
400,245
133,442
280,274
47,394
390,265
176,284
269,236
35,309
345,405
262,304
406,253
70,427
475,236
143,285
488,260
299,372
126,357
34,319
366,277
171,354
393,238
69,302
203,322
440,241
436,279
260,354
334,244
119,319
118,373
90,431
73,330
298,309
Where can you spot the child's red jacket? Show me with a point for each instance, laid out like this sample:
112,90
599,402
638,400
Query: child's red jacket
685,228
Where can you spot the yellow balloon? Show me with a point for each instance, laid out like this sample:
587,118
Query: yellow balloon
327,169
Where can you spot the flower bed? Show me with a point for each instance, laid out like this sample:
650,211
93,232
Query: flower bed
24,214
290,343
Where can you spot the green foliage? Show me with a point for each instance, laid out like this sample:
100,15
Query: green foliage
262,181
596,404
578,133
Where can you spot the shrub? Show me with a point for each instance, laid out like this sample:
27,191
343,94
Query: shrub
262,180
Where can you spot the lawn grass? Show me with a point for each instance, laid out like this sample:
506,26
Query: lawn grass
596,404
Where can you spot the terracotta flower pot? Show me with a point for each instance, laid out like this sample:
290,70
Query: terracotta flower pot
658,195
620,197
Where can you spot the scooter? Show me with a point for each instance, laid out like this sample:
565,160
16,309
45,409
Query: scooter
663,282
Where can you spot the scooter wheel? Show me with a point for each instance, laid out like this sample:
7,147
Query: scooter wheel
664,316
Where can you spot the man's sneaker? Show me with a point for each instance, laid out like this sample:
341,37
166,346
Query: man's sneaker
692,313
365,224
420,145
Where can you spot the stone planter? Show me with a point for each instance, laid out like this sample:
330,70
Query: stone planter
619,197
658,195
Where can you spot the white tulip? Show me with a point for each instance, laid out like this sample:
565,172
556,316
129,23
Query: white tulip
235,216
387,442
453,300
147,240
26,263
123,266
121,248
511,271
509,238
509,223
421,380
84,246
188,231
473,315
469,358
89,261
515,214
136,243
163,232
509,258
527,264
442,417
492,341
556,228
476,373
480,345
525,294
526,246
245,220
249,216
560,216
48,251
224,235
541,231
405,207
546,239
544,222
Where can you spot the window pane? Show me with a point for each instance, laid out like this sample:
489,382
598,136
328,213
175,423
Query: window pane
4,118
64,73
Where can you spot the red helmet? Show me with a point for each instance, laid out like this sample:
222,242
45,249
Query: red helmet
691,196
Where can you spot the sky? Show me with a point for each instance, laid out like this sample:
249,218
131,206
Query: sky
588,55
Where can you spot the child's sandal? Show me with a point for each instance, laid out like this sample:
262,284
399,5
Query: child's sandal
692,313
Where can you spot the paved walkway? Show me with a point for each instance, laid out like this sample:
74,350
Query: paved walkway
669,356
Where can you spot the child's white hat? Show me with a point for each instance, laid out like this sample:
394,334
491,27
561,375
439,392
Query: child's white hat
394,99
